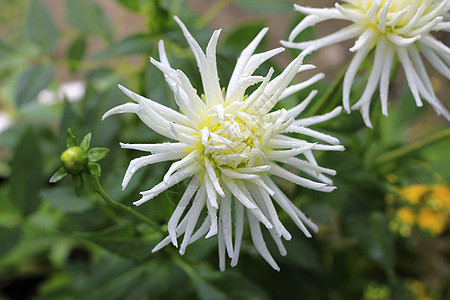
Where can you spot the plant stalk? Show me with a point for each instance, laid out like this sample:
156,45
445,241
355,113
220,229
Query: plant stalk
121,207
408,149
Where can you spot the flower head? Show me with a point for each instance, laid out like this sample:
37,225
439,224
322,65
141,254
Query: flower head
78,159
395,28
228,144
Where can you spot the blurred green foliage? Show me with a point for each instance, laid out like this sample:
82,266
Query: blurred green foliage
55,245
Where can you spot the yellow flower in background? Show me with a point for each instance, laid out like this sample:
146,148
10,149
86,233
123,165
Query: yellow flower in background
424,206
406,215
227,144
431,220
442,194
414,193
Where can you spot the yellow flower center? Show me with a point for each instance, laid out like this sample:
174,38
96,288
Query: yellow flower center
231,138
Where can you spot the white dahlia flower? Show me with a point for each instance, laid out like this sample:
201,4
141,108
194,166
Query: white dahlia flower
395,28
229,144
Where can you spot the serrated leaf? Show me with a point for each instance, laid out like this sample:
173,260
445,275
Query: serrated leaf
86,142
94,169
88,17
26,176
266,6
78,184
59,175
31,82
76,52
40,27
71,140
134,44
97,154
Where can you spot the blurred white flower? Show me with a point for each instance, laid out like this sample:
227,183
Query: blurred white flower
73,91
395,28
5,121
229,143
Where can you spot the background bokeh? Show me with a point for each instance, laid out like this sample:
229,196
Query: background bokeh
384,233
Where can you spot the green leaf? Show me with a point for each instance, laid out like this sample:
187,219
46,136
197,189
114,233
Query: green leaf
58,176
76,52
41,28
63,199
240,36
204,288
56,283
6,50
134,5
134,44
88,17
266,6
309,260
94,169
70,118
71,140
96,154
78,184
123,240
434,155
31,82
382,248
8,239
86,142
11,56
26,176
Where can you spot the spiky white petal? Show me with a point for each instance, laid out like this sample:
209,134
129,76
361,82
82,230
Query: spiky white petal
395,28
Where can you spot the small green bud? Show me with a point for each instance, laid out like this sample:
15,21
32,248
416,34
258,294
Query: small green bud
74,160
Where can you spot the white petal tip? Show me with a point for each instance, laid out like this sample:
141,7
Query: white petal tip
285,43
328,189
210,234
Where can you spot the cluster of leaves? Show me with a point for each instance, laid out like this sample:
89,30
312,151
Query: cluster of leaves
55,245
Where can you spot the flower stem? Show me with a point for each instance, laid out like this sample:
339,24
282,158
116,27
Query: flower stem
212,12
120,206
405,150
324,100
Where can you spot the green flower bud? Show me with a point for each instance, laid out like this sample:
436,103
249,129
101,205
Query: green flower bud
74,160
